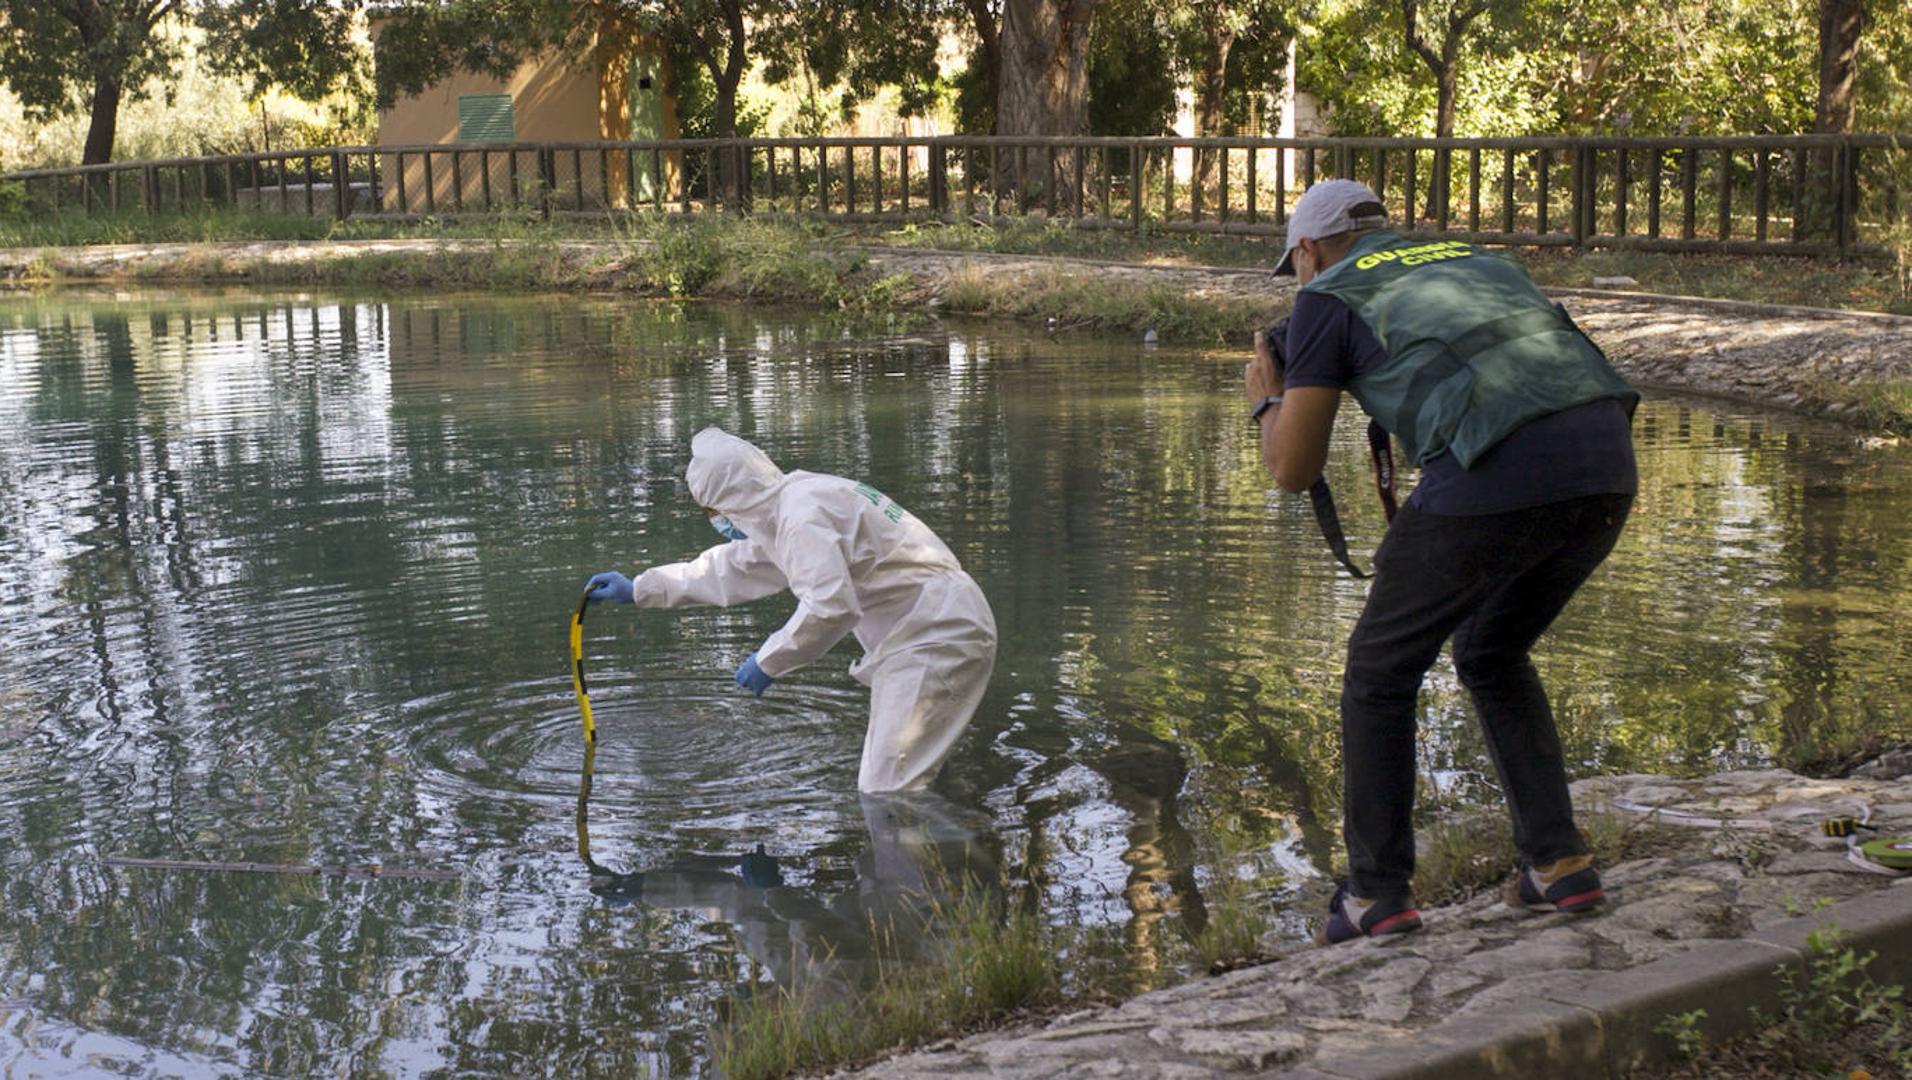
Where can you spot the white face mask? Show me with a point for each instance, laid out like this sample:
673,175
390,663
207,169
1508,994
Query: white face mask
725,529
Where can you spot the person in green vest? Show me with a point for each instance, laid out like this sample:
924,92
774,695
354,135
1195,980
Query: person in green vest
1521,430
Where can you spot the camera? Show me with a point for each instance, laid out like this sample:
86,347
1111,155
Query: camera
1277,336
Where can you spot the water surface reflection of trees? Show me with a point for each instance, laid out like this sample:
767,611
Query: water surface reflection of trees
252,546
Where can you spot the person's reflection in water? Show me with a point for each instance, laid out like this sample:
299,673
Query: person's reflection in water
922,850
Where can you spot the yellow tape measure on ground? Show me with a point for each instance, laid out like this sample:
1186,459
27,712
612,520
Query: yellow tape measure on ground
577,670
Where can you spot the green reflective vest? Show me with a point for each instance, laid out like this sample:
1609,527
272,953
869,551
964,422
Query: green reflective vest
1474,349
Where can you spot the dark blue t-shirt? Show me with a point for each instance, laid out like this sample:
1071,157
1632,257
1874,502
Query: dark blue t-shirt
1584,450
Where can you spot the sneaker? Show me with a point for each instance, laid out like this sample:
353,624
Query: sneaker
1351,917
1571,885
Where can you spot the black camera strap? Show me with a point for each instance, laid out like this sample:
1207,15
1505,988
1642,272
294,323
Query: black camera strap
1381,451
1330,521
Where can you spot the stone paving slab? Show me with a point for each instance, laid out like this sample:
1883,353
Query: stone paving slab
1487,991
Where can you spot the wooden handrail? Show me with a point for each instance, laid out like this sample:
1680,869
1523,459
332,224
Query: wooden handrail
1578,190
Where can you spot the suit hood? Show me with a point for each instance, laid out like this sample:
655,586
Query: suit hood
730,475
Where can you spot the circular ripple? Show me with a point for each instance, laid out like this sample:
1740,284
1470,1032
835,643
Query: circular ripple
670,744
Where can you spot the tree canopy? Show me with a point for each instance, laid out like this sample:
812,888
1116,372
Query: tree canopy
1598,67
1396,67
67,56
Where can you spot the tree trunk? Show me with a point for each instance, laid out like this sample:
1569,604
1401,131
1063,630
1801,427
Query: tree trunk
1840,22
1446,86
990,35
1043,84
104,124
1209,94
730,176
1446,66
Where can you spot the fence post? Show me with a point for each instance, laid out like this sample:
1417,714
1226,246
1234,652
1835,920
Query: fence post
547,179
1762,192
1622,180
823,179
1655,180
1847,202
1799,194
1725,194
1410,183
149,180
1135,185
341,196
1543,161
1251,180
1473,189
938,178
903,177
1281,186
1580,208
1081,181
1507,190
1689,182
1168,185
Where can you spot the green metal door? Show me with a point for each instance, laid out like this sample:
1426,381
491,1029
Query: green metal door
647,119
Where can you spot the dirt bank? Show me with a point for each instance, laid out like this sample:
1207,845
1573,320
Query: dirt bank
1856,366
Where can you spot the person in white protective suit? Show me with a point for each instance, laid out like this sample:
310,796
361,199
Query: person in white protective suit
858,563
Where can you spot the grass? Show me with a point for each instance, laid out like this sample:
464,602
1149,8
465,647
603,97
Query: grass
1835,1020
1829,750
1470,853
983,962
1852,284
1236,917
704,256
1074,300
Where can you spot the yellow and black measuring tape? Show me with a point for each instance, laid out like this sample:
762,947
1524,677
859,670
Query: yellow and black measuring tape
1894,852
577,671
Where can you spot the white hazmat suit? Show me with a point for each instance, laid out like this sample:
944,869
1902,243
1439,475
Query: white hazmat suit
857,563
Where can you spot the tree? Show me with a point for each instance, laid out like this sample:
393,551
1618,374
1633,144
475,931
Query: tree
1840,22
1043,81
1443,61
68,56
1132,69
1208,37
985,66
864,45
58,51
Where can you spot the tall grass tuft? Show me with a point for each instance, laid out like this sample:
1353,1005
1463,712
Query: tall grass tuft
1077,299
1464,855
982,961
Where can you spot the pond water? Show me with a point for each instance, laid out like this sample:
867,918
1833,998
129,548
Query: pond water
286,579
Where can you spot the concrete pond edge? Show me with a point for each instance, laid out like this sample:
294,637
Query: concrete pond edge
1616,1017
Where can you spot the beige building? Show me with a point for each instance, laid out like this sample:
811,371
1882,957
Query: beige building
613,91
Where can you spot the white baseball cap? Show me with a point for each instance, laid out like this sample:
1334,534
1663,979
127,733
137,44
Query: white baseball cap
1327,209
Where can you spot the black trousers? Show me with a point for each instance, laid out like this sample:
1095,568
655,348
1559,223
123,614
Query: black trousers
1493,583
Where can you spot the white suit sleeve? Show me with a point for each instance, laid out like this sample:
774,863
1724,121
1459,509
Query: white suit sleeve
826,602
732,573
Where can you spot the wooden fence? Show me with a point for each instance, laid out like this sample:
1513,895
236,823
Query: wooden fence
1804,194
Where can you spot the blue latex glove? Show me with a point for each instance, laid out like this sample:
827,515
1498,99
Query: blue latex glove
752,678
609,585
